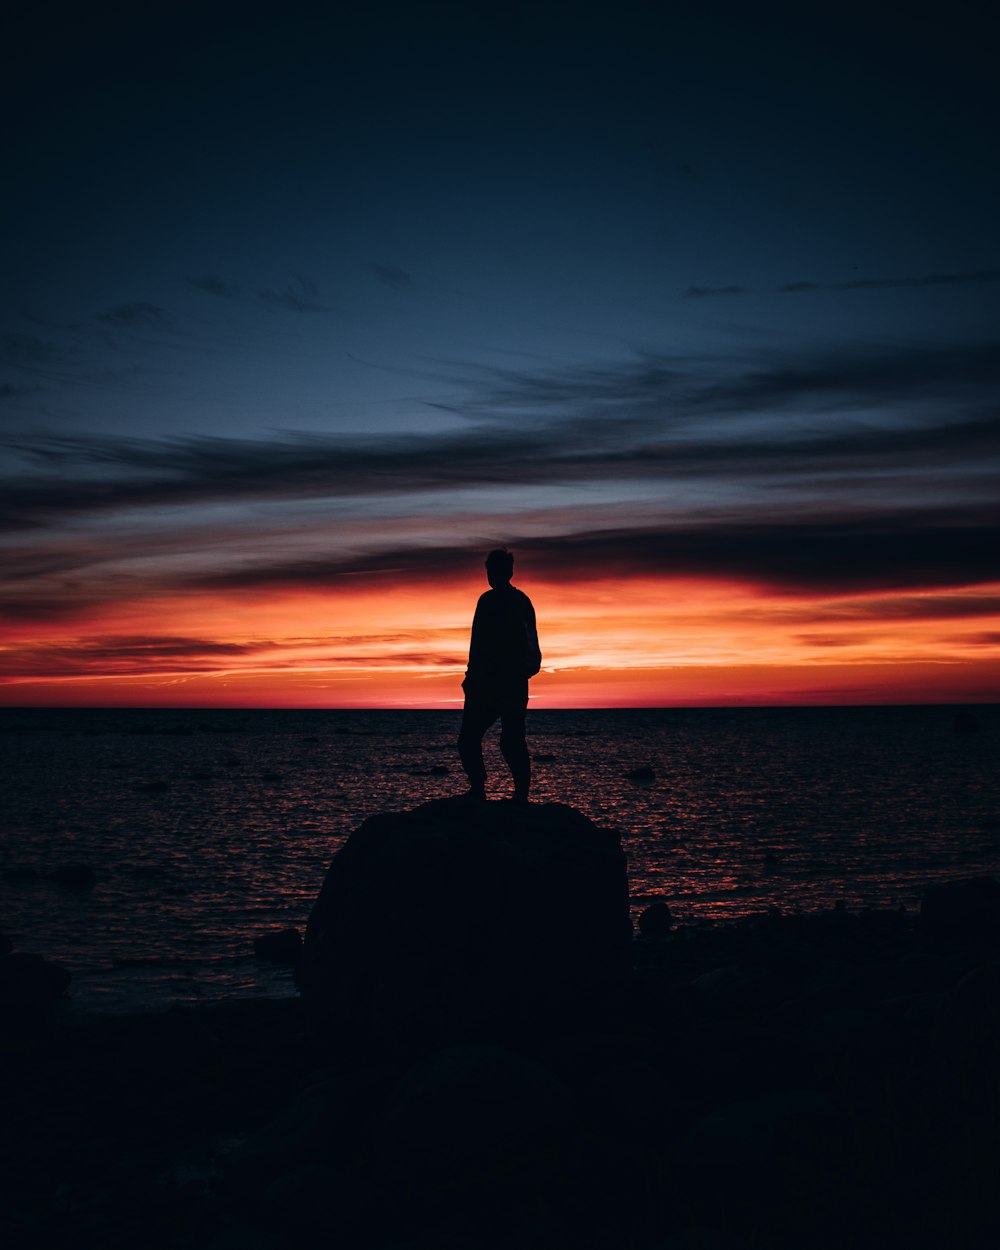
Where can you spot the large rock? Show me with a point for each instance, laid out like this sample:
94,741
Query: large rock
280,946
749,1133
29,988
464,1117
461,921
968,908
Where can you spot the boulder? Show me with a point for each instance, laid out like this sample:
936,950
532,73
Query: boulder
30,976
298,1203
280,946
464,1117
75,876
29,988
855,1032
460,921
968,908
739,991
656,921
322,1124
968,1025
747,1134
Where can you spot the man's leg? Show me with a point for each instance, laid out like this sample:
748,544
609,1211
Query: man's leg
514,746
476,719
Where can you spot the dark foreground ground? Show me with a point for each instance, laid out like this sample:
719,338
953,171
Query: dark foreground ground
819,1081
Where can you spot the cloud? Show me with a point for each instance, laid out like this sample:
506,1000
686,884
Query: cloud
119,656
27,352
140,315
941,607
212,284
893,560
301,295
823,555
651,419
166,656
969,277
393,276
672,388
704,292
820,555
830,640
862,470
9,390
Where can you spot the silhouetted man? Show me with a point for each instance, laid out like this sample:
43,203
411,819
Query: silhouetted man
503,654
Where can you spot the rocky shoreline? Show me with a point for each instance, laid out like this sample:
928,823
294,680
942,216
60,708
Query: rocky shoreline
821,1080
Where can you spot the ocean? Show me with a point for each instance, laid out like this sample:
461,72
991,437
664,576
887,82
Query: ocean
206,828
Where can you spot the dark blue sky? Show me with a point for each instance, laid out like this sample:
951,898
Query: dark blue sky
435,275
247,222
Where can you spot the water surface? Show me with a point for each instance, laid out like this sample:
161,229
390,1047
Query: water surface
205,828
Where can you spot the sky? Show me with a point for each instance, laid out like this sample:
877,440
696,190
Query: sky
694,307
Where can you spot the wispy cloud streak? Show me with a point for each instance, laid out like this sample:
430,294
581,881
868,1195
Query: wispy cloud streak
903,437
806,286
300,295
649,419
828,555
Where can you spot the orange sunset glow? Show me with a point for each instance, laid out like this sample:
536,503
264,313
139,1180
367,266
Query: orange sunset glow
606,643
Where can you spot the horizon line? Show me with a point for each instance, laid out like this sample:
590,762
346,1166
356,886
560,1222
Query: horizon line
641,707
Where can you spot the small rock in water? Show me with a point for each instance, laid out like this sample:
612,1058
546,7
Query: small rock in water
645,773
968,908
966,723
153,787
29,988
30,976
283,946
20,872
270,775
76,876
656,920
438,770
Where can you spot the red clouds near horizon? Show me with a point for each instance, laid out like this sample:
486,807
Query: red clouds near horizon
807,529
614,643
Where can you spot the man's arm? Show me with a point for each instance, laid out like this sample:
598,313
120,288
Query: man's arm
476,657
533,654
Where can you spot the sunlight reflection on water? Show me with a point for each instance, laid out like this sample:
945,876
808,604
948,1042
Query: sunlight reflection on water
206,828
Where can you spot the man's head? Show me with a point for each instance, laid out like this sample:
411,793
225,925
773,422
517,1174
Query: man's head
499,568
